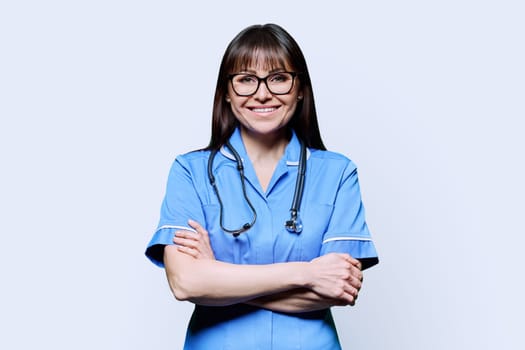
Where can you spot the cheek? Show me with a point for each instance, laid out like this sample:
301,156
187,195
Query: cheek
236,106
237,103
292,105
291,100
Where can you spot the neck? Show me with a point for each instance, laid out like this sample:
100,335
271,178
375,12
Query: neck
263,148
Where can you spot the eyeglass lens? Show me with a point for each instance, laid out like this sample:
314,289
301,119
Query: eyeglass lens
277,83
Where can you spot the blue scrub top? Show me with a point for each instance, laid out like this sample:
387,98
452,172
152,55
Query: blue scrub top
333,221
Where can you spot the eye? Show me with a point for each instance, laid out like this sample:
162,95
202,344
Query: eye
246,79
279,78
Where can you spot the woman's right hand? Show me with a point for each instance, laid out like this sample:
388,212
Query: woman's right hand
196,244
337,276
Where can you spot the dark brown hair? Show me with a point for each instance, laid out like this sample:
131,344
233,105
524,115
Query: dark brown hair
278,49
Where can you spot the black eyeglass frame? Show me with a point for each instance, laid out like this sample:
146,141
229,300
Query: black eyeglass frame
265,80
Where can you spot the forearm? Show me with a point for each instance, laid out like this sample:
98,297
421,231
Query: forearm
295,301
215,283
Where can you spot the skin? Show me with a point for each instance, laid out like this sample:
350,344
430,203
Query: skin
264,133
195,275
330,280
264,126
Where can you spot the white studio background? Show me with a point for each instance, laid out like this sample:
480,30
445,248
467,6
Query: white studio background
98,97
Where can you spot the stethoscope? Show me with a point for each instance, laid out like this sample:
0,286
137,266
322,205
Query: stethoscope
294,225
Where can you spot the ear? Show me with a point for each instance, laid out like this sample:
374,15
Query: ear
228,99
300,94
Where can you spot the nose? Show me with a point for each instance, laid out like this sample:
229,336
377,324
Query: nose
262,93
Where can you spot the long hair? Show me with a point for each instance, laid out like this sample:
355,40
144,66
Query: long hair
277,48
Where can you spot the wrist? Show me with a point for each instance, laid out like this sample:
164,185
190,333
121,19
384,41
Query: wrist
303,275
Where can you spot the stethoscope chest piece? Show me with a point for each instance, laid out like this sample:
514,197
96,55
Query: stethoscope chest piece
295,224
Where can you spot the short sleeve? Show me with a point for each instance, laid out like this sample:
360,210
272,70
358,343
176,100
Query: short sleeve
180,204
347,231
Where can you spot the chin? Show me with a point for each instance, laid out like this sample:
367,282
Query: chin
268,130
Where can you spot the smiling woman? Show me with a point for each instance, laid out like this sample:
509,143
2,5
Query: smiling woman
264,110
269,284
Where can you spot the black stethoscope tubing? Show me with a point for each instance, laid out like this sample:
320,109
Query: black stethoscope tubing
293,225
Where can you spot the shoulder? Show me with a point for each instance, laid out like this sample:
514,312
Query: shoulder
192,157
330,159
190,163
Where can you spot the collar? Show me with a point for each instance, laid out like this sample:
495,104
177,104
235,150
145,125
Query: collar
291,153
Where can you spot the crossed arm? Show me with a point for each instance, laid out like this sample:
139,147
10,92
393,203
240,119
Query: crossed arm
194,275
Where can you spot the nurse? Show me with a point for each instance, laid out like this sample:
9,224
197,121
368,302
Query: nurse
263,276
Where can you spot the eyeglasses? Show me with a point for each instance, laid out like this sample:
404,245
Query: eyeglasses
280,83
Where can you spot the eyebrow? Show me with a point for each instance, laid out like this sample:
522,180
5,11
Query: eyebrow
276,70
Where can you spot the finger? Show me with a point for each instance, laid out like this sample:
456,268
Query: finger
349,298
353,261
198,227
189,251
347,294
353,302
186,235
190,243
355,283
352,291
355,272
195,225
355,277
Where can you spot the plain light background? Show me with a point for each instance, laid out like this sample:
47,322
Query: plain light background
98,97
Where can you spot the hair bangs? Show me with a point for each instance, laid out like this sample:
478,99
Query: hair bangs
268,57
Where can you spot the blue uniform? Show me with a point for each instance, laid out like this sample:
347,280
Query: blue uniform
333,219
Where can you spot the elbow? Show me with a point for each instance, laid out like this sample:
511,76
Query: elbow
181,287
179,293
187,277
180,273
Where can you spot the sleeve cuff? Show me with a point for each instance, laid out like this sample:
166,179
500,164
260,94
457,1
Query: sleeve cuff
360,248
162,237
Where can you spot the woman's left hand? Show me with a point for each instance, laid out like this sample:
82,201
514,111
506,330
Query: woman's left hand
196,244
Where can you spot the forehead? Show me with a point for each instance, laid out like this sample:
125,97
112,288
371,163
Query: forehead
261,59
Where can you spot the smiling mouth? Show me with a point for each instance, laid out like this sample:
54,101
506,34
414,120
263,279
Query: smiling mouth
263,110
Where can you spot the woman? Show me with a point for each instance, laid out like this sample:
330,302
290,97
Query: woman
262,275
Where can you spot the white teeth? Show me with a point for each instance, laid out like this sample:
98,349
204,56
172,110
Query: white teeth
263,110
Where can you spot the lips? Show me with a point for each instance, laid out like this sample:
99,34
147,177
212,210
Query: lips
262,109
